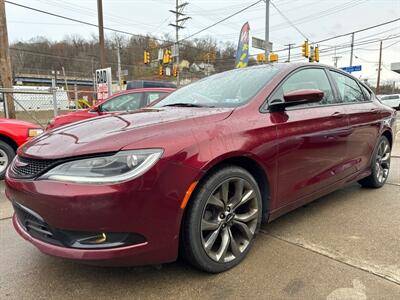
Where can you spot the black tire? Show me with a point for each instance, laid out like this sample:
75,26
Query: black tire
375,180
193,242
8,151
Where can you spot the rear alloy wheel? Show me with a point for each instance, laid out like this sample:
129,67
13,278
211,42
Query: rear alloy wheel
222,220
380,165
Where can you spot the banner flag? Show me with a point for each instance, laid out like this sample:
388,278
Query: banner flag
242,53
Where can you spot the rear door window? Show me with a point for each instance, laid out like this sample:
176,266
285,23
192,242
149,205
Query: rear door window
348,88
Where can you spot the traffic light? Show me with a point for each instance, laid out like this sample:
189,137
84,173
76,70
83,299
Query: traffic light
311,56
160,71
305,49
261,57
167,56
316,53
146,57
175,71
273,57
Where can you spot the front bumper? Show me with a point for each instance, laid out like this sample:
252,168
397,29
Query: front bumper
140,252
148,205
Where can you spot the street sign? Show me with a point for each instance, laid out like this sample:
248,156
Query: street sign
352,69
103,83
124,72
174,50
260,44
160,54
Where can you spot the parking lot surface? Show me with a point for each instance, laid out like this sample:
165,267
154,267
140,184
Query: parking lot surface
342,246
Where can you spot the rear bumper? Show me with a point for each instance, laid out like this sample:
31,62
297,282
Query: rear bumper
149,206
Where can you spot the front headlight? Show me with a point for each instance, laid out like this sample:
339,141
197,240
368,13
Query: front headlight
122,166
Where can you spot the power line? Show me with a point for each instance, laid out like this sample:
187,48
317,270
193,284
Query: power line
288,20
85,11
327,51
321,14
220,21
332,10
83,22
360,30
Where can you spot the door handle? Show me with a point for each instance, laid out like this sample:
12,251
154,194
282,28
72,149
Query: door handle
337,115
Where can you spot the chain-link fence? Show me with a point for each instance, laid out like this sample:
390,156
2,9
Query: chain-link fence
41,104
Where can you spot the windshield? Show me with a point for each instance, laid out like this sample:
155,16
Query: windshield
227,89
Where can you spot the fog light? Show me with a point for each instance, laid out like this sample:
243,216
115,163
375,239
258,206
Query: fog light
96,239
99,240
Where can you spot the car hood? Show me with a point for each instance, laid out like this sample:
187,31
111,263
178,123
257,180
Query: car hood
12,122
115,131
78,113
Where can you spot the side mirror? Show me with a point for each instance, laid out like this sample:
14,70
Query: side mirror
95,109
299,97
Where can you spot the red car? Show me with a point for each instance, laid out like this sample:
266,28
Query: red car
201,169
14,133
121,102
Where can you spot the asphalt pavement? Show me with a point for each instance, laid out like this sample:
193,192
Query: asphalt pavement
343,246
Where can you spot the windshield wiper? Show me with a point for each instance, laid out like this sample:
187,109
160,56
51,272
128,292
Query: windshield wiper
187,105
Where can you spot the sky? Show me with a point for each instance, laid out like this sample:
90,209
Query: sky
295,21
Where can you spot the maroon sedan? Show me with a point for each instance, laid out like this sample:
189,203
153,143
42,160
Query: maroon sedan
201,169
120,102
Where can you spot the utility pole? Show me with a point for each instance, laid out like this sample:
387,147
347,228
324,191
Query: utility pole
119,67
178,26
336,59
289,48
54,90
352,49
378,81
208,64
101,33
5,63
267,30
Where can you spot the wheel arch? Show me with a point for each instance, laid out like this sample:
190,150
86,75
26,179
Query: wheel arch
9,141
252,166
388,134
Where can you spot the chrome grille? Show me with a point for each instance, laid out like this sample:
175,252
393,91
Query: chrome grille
23,167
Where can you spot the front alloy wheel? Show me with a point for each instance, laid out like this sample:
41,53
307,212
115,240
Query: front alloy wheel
221,220
229,220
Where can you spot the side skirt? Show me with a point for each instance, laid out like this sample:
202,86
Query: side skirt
318,194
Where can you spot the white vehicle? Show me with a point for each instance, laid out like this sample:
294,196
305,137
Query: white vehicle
391,100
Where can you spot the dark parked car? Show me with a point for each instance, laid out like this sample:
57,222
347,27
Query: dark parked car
201,169
140,84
